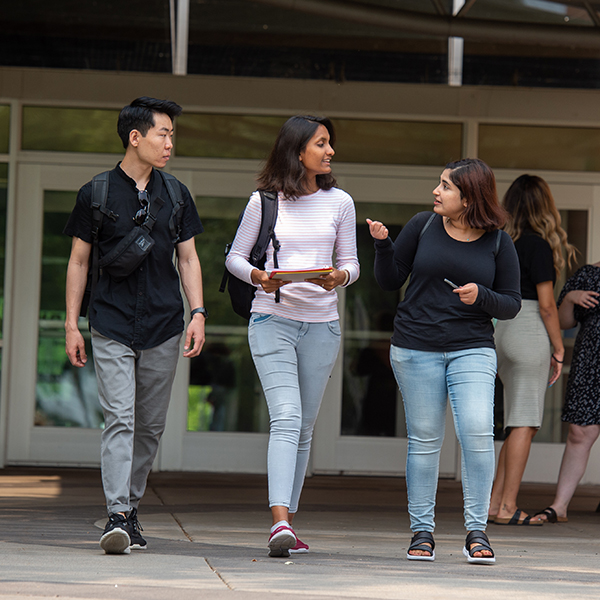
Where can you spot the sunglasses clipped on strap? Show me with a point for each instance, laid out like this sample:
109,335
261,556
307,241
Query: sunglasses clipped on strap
141,216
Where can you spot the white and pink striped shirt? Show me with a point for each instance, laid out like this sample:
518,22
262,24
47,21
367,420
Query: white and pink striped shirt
309,229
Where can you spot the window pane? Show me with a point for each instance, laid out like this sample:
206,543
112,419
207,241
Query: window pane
70,130
518,147
226,136
362,141
397,142
371,401
224,391
4,128
65,396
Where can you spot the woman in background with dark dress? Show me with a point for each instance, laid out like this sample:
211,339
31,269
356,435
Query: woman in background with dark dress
578,303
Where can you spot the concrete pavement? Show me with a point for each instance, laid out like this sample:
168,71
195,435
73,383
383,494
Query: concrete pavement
207,537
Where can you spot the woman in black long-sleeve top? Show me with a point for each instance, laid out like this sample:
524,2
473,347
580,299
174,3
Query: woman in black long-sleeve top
463,272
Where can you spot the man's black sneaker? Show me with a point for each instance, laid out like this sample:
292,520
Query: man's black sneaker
116,538
137,541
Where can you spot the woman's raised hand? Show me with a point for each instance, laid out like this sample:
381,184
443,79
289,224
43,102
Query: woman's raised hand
378,230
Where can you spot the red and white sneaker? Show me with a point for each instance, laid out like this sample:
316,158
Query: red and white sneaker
281,541
300,547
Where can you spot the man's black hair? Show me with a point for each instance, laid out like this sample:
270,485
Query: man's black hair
140,115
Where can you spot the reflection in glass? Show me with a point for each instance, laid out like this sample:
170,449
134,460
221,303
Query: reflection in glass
3,200
527,147
371,401
397,142
65,396
70,129
4,128
224,391
358,140
3,197
226,136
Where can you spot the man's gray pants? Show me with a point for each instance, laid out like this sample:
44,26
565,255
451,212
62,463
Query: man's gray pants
134,389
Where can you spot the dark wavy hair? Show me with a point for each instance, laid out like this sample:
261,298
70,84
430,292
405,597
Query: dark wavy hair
284,171
140,115
477,186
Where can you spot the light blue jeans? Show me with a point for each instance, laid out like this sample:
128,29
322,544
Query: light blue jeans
294,361
427,380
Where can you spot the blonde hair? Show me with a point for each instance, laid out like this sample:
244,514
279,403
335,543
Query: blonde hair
530,205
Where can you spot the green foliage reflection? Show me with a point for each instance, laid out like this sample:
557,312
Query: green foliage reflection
4,128
70,130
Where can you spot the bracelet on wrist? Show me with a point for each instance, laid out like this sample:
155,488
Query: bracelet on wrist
556,359
346,278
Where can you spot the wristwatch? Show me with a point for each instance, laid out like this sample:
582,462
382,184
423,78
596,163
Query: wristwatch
201,310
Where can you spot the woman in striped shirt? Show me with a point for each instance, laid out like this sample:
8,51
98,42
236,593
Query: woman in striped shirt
295,341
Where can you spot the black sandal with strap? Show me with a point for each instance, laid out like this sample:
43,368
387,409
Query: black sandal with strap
420,541
481,541
551,516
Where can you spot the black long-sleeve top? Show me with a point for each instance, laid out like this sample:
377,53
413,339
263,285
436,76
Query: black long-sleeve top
431,317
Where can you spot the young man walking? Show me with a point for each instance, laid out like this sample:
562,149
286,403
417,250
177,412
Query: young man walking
136,320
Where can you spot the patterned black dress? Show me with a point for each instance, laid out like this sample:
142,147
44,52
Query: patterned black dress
582,399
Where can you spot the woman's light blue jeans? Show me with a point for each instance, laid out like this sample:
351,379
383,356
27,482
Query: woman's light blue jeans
427,380
294,360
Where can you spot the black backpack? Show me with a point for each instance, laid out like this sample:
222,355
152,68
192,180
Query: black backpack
99,211
240,292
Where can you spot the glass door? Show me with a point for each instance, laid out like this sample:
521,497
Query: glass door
65,396
225,416
576,196
217,419
222,407
371,428
54,416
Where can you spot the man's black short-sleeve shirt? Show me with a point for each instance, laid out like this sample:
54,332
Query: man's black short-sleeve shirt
146,308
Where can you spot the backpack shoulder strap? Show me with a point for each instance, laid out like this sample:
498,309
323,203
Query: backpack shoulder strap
266,234
498,240
269,204
99,198
98,204
429,222
174,192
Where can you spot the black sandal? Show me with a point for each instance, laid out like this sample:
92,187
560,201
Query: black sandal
482,543
419,542
551,516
